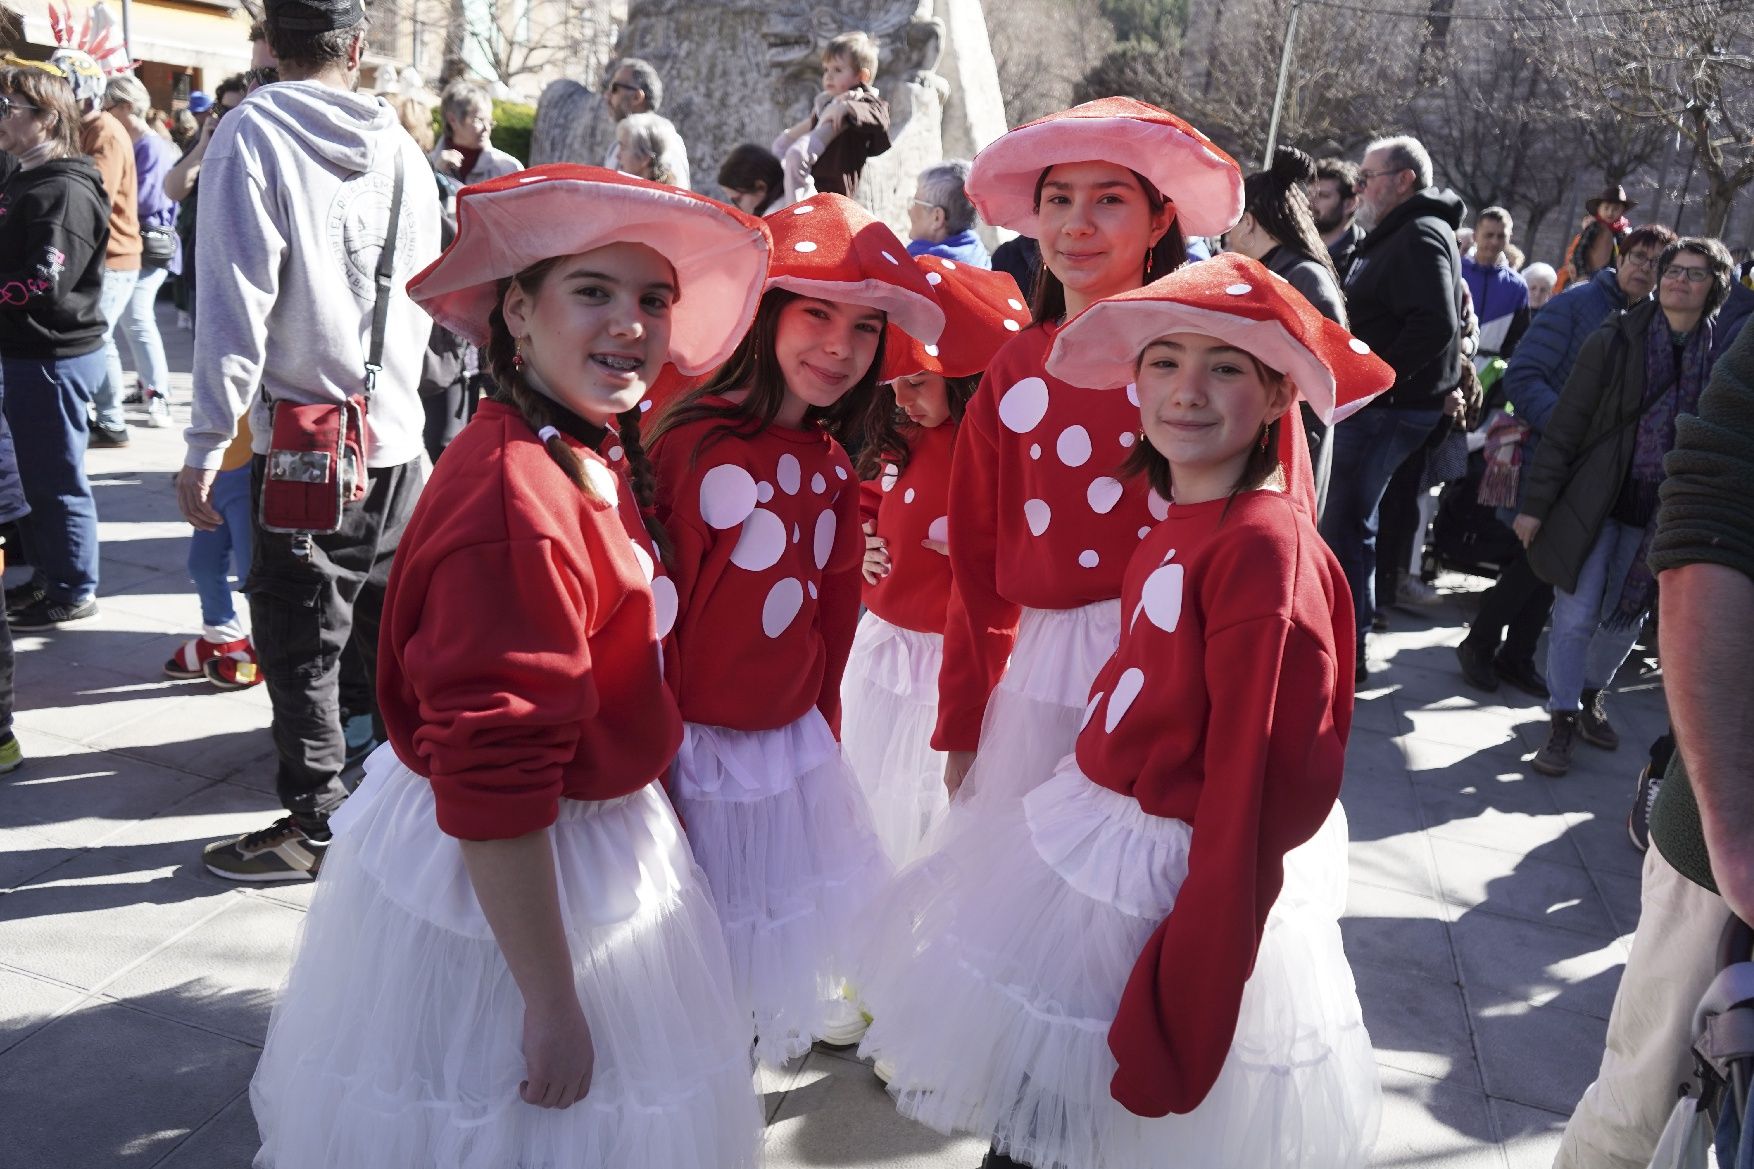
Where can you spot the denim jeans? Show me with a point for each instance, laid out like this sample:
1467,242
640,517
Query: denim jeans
113,302
47,401
1369,448
310,597
140,327
1581,654
214,557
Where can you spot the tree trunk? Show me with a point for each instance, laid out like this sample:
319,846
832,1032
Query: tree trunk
1720,196
456,42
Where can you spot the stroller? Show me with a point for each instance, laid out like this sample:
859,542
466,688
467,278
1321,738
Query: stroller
1723,1054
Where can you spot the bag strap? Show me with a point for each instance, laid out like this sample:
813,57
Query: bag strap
386,272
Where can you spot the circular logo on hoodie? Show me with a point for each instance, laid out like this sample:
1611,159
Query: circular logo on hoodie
357,229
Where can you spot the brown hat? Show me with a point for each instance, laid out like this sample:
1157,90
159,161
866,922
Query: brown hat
1613,194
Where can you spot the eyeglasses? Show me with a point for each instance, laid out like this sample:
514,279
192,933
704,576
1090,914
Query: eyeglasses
1690,275
254,78
8,104
622,86
1637,260
923,203
1364,176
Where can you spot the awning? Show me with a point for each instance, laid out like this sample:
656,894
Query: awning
212,37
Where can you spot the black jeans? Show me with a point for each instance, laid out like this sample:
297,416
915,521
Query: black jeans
310,597
1398,525
1515,608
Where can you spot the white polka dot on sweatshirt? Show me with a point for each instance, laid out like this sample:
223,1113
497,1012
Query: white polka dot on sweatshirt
789,473
908,495
764,491
782,604
727,495
840,472
1128,438
646,567
1159,506
825,526
797,533
1037,513
934,279
890,473
939,530
603,481
811,586
1090,709
1024,405
616,454
818,484
664,604
1161,596
804,245
1089,558
1127,688
761,543
1073,446
1035,450
1133,392
645,405
1358,346
1238,290
1143,532
1103,494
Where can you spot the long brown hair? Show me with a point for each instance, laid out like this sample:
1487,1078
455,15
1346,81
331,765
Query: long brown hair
755,367
43,86
889,431
539,411
1263,461
1047,300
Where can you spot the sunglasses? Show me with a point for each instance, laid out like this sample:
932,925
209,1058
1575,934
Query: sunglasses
259,77
622,86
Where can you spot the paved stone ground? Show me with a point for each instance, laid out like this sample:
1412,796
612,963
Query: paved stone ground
1489,918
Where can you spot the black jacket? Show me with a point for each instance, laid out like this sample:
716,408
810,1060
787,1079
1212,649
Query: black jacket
1404,295
1345,249
54,229
1310,278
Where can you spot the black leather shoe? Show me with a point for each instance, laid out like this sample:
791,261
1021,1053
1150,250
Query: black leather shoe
1522,676
1477,665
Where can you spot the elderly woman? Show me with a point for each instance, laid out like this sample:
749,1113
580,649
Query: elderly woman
1540,278
1591,505
467,153
162,252
52,244
941,217
648,147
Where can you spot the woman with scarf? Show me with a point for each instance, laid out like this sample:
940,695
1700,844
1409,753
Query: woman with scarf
1592,494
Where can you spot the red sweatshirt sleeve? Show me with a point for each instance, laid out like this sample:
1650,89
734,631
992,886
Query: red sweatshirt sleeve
1274,763
501,703
980,625
838,612
870,500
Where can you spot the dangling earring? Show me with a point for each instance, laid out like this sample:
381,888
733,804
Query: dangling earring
1148,258
1264,438
518,355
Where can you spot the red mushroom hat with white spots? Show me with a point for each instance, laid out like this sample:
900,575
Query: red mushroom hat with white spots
506,224
1185,166
829,247
983,309
1239,301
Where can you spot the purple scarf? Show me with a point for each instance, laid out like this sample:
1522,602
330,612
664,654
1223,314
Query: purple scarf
1671,389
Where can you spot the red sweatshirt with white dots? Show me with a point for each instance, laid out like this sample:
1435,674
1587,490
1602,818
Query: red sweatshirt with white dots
1039,517
766,563
519,661
910,506
1227,706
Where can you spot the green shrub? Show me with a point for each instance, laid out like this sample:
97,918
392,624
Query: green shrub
513,123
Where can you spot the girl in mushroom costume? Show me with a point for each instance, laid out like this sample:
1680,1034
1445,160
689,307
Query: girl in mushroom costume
1041,525
511,958
760,498
1144,951
890,692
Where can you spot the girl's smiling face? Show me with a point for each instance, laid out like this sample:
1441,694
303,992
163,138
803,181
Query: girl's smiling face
924,398
1202,405
596,329
1096,226
824,349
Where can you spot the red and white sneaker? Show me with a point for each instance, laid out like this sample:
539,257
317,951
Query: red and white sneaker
236,670
195,653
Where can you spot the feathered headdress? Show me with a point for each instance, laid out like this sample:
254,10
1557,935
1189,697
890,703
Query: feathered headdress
98,35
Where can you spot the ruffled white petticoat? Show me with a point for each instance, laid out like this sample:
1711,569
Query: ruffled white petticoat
396,1042
998,965
1033,718
889,708
783,834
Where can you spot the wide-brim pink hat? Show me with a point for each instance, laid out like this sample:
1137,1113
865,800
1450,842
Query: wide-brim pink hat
506,224
829,247
1238,301
1185,166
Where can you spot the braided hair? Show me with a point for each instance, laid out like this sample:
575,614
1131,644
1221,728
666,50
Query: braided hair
540,413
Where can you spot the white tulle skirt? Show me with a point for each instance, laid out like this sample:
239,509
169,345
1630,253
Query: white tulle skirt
1033,718
997,967
396,1042
781,830
889,708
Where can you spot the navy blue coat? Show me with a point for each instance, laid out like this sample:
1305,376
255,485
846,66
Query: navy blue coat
1549,349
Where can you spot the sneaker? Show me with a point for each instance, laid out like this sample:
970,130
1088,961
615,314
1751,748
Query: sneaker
44,613
1593,724
1555,758
237,670
135,396
283,851
1521,676
1379,621
1413,591
104,436
25,595
1477,665
1643,800
11,754
846,1023
195,653
158,410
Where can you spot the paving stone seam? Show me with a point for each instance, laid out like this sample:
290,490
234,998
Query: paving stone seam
200,1128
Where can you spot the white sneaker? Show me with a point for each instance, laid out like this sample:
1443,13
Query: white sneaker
1413,591
158,410
846,1024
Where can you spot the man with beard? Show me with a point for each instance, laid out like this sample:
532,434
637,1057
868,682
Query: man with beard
1333,202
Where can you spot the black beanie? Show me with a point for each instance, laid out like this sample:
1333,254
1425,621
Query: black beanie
314,16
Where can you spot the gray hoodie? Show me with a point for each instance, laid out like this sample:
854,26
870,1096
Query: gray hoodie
295,195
